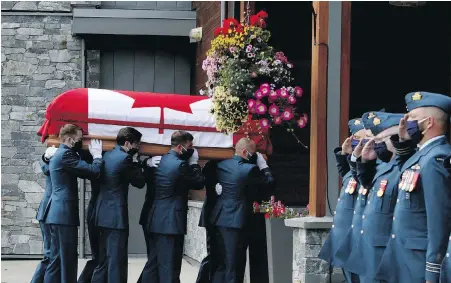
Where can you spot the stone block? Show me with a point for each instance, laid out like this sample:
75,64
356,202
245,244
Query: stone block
33,61
16,203
8,32
17,68
21,249
53,26
54,6
33,197
9,208
8,152
6,109
36,247
67,66
5,234
54,84
30,31
41,45
19,162
44,62
11,80
60,56
15,57
45,69
10,25
44,37
20,136
42,77
59,75
27,212
72,75
8,50
35,101
30,187
22,116
25,6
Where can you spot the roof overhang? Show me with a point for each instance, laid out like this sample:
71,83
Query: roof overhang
132,22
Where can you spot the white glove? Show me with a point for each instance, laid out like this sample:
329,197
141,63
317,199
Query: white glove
261,162
154,161
95,148
50,152
218,189
194,158
135,158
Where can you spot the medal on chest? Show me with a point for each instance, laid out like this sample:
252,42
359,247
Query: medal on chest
382,188
350,188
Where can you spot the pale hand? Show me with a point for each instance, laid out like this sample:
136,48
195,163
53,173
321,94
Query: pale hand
346,147
261,162
50,152
358,150
402,129
194,158
154,161
135,158
95,148
368,152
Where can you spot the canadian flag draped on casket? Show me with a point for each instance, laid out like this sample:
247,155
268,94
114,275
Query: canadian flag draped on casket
101,113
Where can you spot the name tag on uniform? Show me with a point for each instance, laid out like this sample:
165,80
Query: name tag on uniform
382,188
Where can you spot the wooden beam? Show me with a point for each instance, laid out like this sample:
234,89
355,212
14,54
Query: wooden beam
345,68
243,9
318,143
345,72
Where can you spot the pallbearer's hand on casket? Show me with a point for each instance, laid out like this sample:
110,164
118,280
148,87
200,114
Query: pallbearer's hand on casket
50,152
95,148
261,162
154,161
194,158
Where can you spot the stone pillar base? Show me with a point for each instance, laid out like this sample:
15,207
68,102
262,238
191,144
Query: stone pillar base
309,235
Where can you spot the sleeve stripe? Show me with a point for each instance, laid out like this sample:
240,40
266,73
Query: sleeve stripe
433,271
430,263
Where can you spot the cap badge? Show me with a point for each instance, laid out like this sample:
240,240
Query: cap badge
416,96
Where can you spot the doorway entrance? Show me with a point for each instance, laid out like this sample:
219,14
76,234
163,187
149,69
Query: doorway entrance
397,50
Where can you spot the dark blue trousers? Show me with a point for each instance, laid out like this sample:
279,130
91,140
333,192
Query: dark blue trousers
88,271
38,276
63,252
232,251
164,258
113,256
208,271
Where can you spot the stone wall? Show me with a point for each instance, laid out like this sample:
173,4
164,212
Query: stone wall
40,59
195,239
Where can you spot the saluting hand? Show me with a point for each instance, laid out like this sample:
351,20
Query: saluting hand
346,147
368,152
358,150
402,129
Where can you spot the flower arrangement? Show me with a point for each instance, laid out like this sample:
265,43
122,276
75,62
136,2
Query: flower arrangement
247,78
276,209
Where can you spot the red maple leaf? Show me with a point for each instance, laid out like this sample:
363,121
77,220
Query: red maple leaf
176,102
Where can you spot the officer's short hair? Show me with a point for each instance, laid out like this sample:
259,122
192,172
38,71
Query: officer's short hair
181,137
68,130
128,134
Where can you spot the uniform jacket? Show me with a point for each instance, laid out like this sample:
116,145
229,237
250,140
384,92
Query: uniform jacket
234,204
65,167
344,209
174,178
211,179
445,273
377,217
421,228
48,189
112,202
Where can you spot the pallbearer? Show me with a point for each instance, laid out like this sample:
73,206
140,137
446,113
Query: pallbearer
445,274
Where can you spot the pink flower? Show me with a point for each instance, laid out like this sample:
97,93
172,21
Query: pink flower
274,110
259,94
305,116
283,92
258,102
265,85
302,123
261,109
289,65
273,198
273,95
292,100
298,90
265,89
249,48
251,103
264,123
277,120
287,115
253,74
252,110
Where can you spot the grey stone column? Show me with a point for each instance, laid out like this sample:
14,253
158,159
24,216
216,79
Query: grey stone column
309,235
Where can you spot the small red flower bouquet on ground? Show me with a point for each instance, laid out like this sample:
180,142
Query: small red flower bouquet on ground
276,209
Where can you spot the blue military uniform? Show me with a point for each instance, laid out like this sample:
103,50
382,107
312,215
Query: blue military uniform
381,183
345,205
445,272
38,275
232,211
164,221
111,214
209,264
93,233
421,227
62,213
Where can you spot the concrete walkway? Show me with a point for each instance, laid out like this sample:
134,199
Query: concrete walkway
20,271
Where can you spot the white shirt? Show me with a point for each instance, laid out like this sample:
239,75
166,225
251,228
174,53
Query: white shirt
420,147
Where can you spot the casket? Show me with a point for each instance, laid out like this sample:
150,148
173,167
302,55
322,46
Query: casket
101,113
